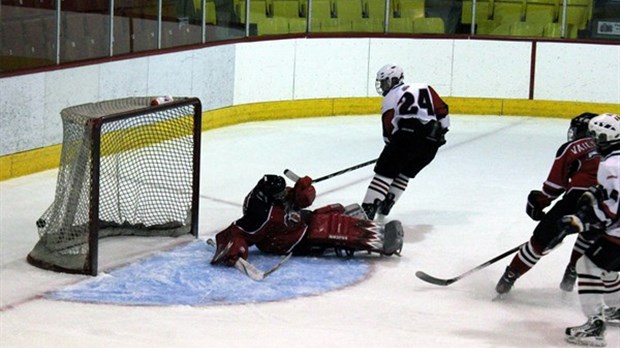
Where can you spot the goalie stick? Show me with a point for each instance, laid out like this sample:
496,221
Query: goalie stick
294,177
445,282
249,269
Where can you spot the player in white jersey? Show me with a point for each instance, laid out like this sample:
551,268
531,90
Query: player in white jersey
597,271
415,121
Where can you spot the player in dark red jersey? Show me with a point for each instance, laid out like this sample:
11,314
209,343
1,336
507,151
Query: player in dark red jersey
415,120
274,219
572,173
599,213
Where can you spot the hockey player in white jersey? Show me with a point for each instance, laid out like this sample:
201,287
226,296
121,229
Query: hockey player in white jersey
415,121
597,271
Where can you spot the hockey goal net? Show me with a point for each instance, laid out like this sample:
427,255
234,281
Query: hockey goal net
127,169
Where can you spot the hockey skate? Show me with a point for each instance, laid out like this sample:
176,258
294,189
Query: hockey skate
612,316
568,281
592,333
385,207
506,281
393,238
371,209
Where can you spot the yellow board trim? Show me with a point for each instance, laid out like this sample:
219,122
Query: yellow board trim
33,161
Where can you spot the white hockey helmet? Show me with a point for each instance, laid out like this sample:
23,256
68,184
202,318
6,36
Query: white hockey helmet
388,77
605,130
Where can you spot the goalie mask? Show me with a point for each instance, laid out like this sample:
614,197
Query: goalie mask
579,126
388,77
605,130
273,187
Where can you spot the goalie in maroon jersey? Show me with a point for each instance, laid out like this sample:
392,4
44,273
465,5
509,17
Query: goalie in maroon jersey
274,219
572,173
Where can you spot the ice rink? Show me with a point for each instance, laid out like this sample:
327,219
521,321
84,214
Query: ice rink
465,208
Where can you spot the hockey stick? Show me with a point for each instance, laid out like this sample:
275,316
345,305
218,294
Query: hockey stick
249,269
445,282
294,177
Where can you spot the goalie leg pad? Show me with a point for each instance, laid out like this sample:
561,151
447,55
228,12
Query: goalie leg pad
345,232
393,238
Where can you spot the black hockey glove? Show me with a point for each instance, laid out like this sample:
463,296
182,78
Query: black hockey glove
437,134
536,202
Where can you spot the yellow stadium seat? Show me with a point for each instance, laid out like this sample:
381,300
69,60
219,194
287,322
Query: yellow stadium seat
498,29
509,11
258,11
484,11
349,9
296,25
485,27
375,12
272,26
411,9
210,14
320,9
578,13
376,9
400,25
366,25
501,30
429,25
554,30
285,8
526,29
542,11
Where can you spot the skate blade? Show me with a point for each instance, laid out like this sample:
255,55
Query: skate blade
499,297
587,341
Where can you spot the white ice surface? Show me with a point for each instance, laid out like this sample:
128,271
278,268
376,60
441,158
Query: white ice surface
465,208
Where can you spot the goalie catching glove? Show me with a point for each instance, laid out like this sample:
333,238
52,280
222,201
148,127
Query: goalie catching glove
230,246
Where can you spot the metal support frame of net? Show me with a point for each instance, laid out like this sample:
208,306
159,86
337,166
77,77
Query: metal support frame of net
126,168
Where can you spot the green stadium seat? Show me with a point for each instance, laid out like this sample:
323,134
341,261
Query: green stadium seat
428,25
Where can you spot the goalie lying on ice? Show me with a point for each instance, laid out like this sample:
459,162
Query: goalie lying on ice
274,219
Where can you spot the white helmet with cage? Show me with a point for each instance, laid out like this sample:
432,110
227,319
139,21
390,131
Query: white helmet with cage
605,130
388,77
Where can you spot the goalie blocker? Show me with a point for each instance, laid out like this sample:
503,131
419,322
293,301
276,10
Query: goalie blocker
274,219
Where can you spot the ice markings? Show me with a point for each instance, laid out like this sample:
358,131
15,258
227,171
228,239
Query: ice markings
184,277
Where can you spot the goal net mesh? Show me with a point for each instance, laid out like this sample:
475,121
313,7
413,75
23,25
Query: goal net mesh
126,168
